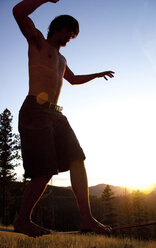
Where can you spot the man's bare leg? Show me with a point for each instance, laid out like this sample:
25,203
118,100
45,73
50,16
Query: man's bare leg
32,195
80,188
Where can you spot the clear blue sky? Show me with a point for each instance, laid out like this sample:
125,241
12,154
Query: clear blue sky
115,121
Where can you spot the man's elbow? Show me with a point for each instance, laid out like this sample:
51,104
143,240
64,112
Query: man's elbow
18,11
15,12
71,80
75,80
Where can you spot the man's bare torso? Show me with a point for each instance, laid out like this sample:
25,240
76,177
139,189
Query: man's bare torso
46,71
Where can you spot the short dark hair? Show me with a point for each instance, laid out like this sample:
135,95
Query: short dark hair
63,21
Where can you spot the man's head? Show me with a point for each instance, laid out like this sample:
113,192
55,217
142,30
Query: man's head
64,22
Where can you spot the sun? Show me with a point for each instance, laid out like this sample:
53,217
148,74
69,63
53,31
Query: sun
132,181
142,186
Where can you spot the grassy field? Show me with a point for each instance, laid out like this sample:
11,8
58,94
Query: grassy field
14,240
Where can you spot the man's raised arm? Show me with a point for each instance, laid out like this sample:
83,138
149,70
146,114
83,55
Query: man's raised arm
21,12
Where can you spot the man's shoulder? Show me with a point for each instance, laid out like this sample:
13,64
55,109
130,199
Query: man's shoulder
63,58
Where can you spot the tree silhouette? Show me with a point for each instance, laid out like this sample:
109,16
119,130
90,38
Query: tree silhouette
9,155
109,211
138,205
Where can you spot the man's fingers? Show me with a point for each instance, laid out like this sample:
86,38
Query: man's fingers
109,74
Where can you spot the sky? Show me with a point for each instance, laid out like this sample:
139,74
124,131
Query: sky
114,120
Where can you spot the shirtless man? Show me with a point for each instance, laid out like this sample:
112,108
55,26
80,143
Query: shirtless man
49,145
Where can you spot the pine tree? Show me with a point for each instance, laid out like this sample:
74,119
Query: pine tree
9,155
139,211
107,198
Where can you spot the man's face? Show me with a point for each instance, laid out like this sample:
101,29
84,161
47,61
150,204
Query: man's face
65,35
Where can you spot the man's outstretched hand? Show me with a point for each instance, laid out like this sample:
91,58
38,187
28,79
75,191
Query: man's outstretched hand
106,74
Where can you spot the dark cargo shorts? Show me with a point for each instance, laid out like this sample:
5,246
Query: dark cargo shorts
48,143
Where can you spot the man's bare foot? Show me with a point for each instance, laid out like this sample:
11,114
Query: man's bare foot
92,225
29,228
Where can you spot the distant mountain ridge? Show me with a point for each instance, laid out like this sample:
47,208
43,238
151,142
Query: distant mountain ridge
118,190
98,189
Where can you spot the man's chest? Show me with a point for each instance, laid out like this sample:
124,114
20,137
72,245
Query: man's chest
49,58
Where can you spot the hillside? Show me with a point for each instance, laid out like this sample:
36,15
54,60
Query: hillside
98,189
118,190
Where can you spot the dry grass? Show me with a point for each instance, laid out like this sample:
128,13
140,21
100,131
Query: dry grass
15,240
